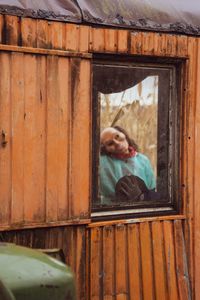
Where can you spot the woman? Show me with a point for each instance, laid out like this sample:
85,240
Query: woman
125,174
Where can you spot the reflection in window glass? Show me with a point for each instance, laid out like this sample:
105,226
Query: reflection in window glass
136,157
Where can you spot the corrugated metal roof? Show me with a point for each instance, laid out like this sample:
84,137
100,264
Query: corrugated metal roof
181,16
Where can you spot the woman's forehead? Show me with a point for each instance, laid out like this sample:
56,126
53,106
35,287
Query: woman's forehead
109,133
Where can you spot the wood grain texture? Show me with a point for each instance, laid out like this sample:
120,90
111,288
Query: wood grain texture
17,119
139,261
29,32
80,138
43,105
197,186
5,129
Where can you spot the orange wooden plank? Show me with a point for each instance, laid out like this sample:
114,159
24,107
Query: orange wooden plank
162,44
110,40
161,290
56,35
181,262
136,43
134,263
1,28
34,137
95,263
122,41
12,30
17,102
72,37
5,127
189,161
148,43
108,263
84,39
63,102
182,45
80,263
52,140
42,34
80,139
121,262
170,260
57,139
171,44
97,40
197,186
147,263
28,32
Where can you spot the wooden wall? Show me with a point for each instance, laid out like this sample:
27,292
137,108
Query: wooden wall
143,260
43,107
45,111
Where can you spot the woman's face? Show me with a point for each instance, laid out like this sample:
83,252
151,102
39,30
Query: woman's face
114,141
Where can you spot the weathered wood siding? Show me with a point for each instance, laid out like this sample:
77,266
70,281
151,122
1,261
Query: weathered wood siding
45,113
145,260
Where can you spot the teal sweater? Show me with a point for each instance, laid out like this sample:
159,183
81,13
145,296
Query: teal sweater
112,169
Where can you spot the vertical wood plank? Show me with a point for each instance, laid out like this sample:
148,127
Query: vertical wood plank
52,139
80,138
56,35
162,44
72,37
63,135
148,43
5,127
170,260
181,262
110,40
12,30
134,263
182,44
57,138
197,186
161,290
136,43
95,264
34,138
147,263
80,263
84,39
171,44
188,155
108,263
97,40
28,32
122,41
121,262
1,28
42,34
17,159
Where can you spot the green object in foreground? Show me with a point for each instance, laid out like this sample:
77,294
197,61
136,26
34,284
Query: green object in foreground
28,274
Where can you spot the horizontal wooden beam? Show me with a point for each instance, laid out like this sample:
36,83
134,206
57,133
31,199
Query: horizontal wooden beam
137,220
44,51
35,225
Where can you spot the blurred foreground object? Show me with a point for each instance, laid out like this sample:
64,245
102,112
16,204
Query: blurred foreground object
27,274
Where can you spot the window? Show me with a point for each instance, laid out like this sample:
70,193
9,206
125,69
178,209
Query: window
136,161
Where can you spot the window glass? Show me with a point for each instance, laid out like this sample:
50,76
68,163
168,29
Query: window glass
135,109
